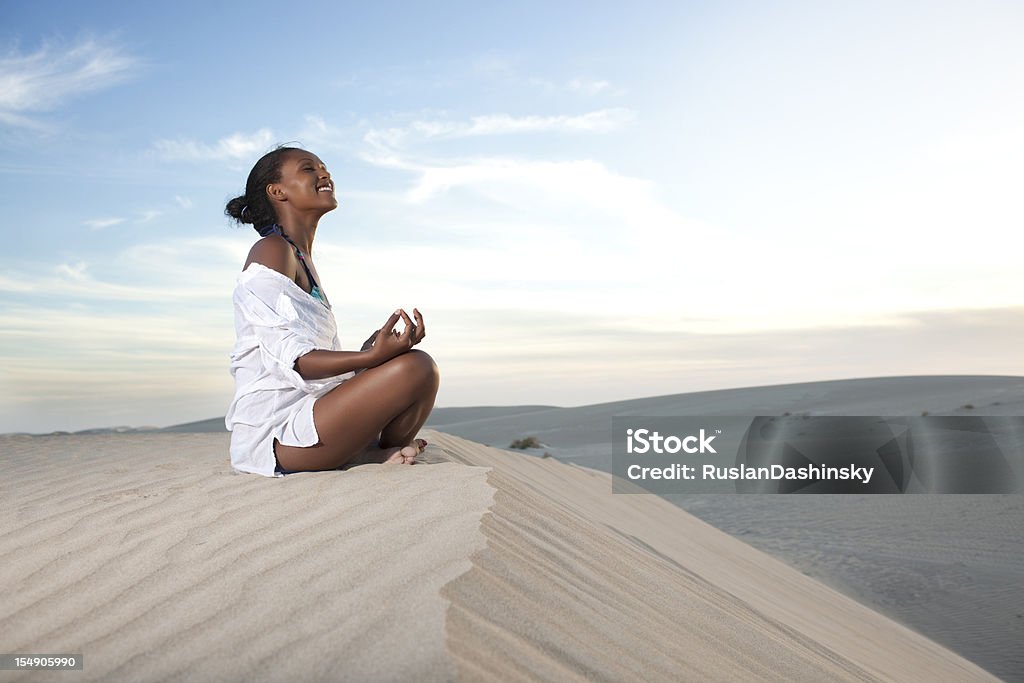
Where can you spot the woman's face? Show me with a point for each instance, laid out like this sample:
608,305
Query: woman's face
305,183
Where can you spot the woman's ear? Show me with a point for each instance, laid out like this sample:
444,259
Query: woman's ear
276,192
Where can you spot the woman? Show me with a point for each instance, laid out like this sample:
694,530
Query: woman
301,403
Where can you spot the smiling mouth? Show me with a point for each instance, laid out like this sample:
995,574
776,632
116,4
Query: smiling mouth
325,188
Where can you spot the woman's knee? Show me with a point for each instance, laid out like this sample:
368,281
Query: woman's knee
416,365
423,365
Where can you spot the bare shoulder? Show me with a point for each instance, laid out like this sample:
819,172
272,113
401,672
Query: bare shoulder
275,253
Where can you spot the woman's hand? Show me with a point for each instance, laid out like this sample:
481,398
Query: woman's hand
387,342
367,345
419,330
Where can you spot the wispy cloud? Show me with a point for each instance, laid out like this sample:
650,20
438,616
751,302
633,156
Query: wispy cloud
512,70
45,79
588,86
318,134
236,147
183,270
578,181
148,215
75,271
100,223
601,121
143,216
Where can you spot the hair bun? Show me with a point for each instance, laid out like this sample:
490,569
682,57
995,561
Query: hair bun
238,208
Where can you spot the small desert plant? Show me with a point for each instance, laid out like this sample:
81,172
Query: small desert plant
528,442
924,413
968,406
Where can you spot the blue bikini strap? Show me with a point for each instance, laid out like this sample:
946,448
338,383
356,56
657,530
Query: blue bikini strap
275,229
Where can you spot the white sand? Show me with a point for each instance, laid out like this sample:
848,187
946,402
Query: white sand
147,555
949,566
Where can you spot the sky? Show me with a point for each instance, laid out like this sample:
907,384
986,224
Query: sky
588,201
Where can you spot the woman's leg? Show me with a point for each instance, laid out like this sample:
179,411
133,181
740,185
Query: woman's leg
391,401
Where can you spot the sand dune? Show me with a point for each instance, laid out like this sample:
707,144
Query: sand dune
151,558
147,555
949,566
696,604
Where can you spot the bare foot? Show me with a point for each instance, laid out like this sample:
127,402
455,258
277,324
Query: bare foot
404,455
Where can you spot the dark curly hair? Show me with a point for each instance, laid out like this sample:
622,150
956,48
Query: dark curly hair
254,206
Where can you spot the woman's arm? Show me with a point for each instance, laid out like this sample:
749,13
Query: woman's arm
320,364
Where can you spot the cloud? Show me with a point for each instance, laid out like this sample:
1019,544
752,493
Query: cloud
619,236
601,121
17,121
587,86
236,147
100,223
75,271
496,65
586,199
580,181
510,70
45,79
148,215
189,270
144,216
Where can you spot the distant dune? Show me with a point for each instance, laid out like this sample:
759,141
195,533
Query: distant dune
576,427
583,434
439,418
215,424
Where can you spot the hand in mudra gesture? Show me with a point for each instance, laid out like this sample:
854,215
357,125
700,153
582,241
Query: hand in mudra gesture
387,342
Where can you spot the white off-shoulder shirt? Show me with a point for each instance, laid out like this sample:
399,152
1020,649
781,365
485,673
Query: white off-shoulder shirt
276,322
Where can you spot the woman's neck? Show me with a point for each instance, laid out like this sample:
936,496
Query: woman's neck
299,225
300,234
